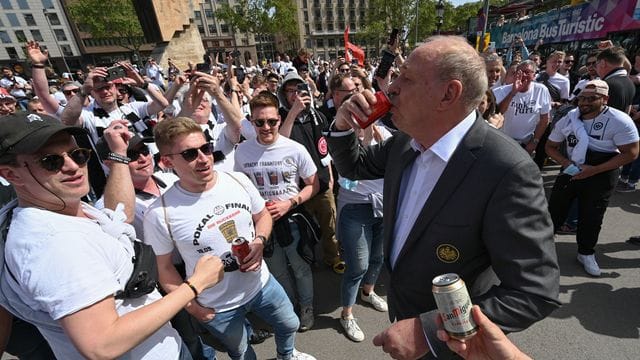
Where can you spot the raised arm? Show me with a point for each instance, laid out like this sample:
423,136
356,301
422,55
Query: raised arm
158,101
73,110
119,187
40,83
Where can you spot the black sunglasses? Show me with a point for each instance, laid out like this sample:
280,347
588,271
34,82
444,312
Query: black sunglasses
55,162
70,91
135,153
260,122
569,61
191,154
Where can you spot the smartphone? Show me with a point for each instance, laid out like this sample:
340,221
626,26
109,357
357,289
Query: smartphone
354,61
115,72
240,75
303,89
203,67
393,37
385,64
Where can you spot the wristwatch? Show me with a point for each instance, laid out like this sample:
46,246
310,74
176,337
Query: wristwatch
294,202
263,238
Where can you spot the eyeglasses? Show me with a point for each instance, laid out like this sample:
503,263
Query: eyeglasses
344,70
104,87
70,91
134,154
123,91
588,98
350,91
55,162
260,122
191,154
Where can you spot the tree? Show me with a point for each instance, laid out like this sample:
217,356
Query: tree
112,19
261,17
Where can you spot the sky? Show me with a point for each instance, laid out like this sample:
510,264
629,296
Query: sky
460,2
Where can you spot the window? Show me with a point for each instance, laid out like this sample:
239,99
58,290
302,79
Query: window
13,54
28,18
208,13
224,28
330,27
227,43
23,4
245,42
318,27
4,36
6,4
47,4
53,19
60,35
212,29
201,29
66,50
332,43
304,4
20,36
306,15
35,34
13,19
352,25
320,43
197,14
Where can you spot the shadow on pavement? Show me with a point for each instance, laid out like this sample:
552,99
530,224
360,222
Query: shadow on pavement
602,310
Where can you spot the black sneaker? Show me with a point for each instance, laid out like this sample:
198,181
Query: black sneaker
259,336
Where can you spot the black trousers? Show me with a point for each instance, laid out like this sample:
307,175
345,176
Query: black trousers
593,195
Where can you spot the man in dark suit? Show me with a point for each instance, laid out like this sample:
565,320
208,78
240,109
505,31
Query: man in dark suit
459,197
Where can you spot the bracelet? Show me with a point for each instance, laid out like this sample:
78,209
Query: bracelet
145,85
38,66
193,288
263,238
118,158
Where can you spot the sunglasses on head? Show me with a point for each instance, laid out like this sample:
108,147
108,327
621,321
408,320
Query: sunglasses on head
55,162
135,153
70,91
191,154
260,122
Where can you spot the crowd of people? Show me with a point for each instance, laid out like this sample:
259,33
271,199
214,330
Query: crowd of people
134,181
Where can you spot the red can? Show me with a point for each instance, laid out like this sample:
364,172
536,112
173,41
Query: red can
269,203
379,109
240,249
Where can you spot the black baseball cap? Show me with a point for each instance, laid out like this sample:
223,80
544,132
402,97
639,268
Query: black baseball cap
103,148
24,133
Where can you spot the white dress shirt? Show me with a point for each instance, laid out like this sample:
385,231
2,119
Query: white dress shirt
419,179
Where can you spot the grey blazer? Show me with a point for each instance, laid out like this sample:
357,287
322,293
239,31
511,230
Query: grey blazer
486,220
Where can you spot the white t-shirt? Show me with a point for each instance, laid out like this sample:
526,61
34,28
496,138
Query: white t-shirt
561,82
275,169
206,223
64,264
606,131
524,111
221,143
95,125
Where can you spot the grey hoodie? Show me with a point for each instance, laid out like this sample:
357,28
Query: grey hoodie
291,76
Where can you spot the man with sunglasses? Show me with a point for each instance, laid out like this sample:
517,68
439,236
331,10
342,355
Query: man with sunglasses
526,105
599,140
592,74
202,213
306,125
609,66
277,165
54,238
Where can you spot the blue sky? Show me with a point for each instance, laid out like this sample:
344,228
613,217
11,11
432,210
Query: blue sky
460,2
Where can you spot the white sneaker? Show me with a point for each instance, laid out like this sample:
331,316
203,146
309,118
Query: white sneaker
297,355
590,264
375,300
351,328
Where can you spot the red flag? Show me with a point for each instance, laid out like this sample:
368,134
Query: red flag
352,49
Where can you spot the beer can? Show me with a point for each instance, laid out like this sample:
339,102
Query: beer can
454,305
240,249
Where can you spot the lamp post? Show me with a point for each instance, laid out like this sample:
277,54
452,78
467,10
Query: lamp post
55,38
439,15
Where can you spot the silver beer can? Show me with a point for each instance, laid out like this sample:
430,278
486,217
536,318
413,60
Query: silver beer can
454,305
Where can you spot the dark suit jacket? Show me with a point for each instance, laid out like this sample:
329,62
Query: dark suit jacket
486,220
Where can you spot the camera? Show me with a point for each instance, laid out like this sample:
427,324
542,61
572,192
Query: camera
115,72
203,67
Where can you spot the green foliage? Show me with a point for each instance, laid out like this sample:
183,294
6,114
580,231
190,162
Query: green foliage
115,19
261,17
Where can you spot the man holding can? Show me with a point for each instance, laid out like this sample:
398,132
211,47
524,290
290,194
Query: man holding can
203,213
459,197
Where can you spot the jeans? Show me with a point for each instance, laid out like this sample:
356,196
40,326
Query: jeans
362,244
301,270
632,171
185,354
272,305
